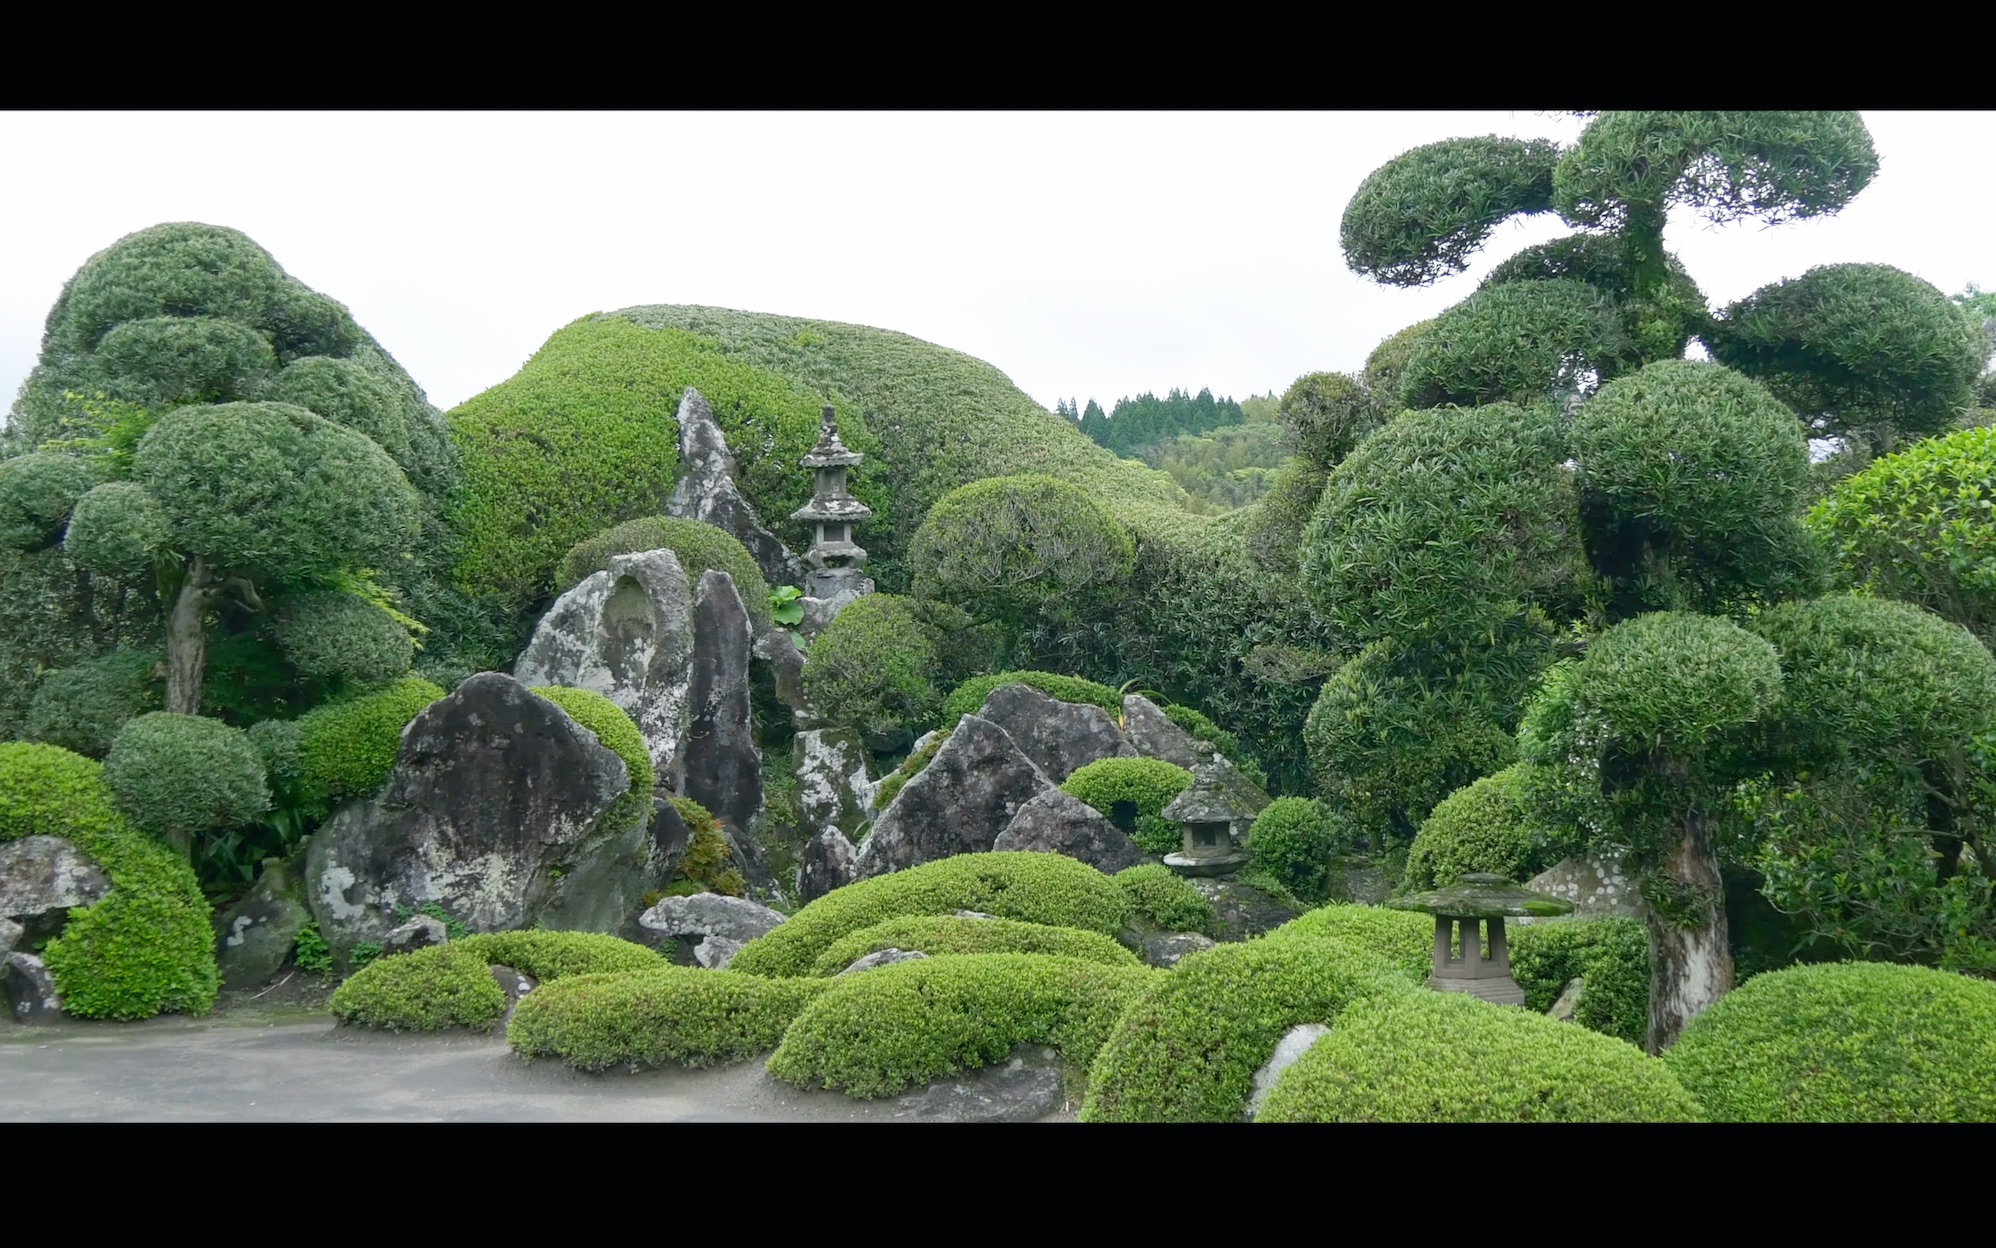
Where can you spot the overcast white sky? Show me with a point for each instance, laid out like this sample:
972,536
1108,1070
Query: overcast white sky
1084,254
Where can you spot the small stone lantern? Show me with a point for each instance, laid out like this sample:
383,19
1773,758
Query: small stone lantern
1482,968
1208,810
834,559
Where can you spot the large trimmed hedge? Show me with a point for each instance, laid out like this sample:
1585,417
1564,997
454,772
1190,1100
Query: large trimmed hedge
671,1015
451,985
1051,889
947,933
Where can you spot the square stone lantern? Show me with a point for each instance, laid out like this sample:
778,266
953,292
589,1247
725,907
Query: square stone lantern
1481,966
1207,811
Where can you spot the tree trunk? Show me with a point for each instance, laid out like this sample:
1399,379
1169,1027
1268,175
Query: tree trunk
1691,961
187,640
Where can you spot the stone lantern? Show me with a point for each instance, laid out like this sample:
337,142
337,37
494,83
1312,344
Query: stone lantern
1208,810
834,560
1483,966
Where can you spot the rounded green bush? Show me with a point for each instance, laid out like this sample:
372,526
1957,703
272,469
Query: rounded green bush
968,696
912,1022
447,985
612,726
1142,788
1165,899
346,749
946,933
871,669
177,775
146,948
1520,342
1386,366
1674,679
117,529
163,361
1187,1049
1845,1042
1297,840
37,492
1420,216
82,707
1659,322
1019,548
1447,1057
699,547
1405,939
347,394
279,743
1324,415
550,956
670,1014
1049,889
336,636
1482,827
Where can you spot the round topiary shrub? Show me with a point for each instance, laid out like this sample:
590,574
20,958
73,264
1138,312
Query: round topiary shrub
1845,1042
1518,342
1132,792
667,1015
1404,938
1324,415
347,394
947,933
968,696
335,636
37,493
448,985
82,707
166,361
1482,827
1297,841
871,670
699,547
1447,1057
1165,899
146,948
179,775
1187,1049
117,530
1050,889
1488,178
912,1022
346,749
277,742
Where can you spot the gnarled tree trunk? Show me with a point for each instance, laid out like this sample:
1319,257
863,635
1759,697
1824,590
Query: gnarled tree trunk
1691,960
187,639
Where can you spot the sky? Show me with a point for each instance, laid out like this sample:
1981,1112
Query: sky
1090,255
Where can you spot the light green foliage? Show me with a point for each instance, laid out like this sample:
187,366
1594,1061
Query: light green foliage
968,696
1324,415
1609,956
872,669
1133,791
1523,342
1194,721
669,1015
946,933
1297,841
1862,349
1851,1042
1446,1057
1187,1049
310,953
117,529
612,726
82,707
1165,899
346,393
337,636
1916,526
1419,216
1230,467
166,361
1484,826
548,956
348,748
179,775
146,948
431,989
875,1033
699,547
1050,889
1404,938
37,492
707,862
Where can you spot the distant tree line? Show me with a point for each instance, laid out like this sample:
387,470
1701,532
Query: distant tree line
1147,420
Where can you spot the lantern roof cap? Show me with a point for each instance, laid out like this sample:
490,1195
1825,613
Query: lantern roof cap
830,452
1209,799
1480,895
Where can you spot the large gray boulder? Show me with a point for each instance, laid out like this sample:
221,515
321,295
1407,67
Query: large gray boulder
958,804
11,934
626,633
502,809
257,934
721,925
707,491
1598,885
31,994
1294,1044
828,861
1154,736
721,768
1025,1087
1059,737
1054,823
833,790
41,878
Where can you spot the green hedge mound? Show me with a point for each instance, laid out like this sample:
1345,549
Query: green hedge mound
912,1022
944,933
699,547
1138,788
1845,1042
1481,827
1049,889
451,985
1165,899
668,1015
968,696
1446,1057
550,956
1187,1050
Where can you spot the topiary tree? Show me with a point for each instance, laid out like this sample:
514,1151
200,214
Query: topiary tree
81,708
1324,415
341,637
180,775
872,669
1297,841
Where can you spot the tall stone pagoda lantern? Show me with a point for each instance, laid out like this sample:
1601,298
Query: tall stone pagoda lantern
834,560
1479,967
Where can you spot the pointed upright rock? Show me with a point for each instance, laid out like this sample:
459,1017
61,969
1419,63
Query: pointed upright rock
720,766
707,491
958,804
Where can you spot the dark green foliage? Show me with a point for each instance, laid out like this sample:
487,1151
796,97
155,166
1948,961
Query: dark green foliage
1195,722
673,1015
1133,792
1446,1057
53,615
1658,322
945,934
1324,415
1050,889
1231,467
118,530
1187,1049
279,742
1274,539
1386,366
180,775
165,361
1147,420
872,669
336,636
913,1022
431,989
1164,899
346,393
1484,826
1853,1042
81,708
1297,841
37,492
1524,342
146,948
1916,526
1419,216
549,956
699,547
1609,956
348,748
968,696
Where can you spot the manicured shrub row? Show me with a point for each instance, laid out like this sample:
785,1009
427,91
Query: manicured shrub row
1164,899
875,1033
943,934
672,1014
1050,889
549,955
451,985
1144,786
